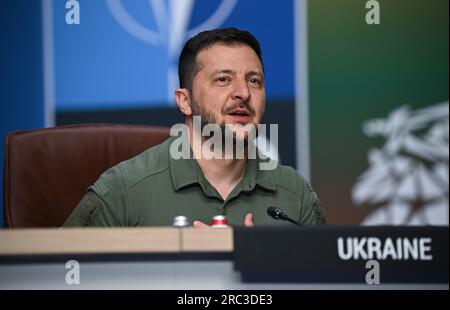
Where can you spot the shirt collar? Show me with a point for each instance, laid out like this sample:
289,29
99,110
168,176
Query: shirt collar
185,172
253,175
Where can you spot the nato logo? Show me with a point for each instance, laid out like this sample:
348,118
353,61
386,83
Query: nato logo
172,18
124,53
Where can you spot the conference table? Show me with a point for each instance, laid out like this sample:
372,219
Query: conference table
168,258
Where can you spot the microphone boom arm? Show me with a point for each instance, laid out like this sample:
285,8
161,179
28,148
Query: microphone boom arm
279,214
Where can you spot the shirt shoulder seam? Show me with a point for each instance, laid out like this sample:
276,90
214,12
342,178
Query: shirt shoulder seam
147,176
296,193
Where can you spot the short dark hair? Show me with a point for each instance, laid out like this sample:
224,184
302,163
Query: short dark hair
187,64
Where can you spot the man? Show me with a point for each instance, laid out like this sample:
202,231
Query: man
221,81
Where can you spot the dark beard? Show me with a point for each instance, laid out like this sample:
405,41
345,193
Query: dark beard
207,118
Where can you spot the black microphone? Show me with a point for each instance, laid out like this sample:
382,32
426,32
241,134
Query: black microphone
279,214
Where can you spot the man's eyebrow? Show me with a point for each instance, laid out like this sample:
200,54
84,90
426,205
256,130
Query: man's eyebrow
252,73
232,72
227,71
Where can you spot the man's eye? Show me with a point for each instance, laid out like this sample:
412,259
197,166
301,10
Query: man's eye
222,80
255,82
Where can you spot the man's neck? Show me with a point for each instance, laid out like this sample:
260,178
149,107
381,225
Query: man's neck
223,174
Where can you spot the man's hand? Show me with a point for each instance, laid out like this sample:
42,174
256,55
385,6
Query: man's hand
199,224
248,222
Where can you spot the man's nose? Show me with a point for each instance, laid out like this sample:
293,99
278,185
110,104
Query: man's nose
241,91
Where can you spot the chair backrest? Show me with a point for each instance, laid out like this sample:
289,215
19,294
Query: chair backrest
47,171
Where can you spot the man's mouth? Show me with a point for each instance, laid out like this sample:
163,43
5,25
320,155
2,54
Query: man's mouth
240,114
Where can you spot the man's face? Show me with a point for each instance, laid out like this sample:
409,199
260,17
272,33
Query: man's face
229,88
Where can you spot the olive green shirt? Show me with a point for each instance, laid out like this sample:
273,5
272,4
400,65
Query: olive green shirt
152,188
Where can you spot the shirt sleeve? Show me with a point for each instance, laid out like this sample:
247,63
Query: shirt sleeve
311,212
91,211
104,204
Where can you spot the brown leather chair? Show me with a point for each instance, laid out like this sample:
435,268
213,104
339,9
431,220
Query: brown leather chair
47,171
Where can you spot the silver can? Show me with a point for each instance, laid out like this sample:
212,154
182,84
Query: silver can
180,221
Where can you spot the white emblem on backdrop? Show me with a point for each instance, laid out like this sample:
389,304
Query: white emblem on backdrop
408,176
172,18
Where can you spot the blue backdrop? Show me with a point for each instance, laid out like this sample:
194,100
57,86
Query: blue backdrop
21,70
124,53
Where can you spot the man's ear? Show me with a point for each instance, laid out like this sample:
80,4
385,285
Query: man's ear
183,100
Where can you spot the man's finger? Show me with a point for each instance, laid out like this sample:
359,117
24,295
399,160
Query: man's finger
248,220
199,224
